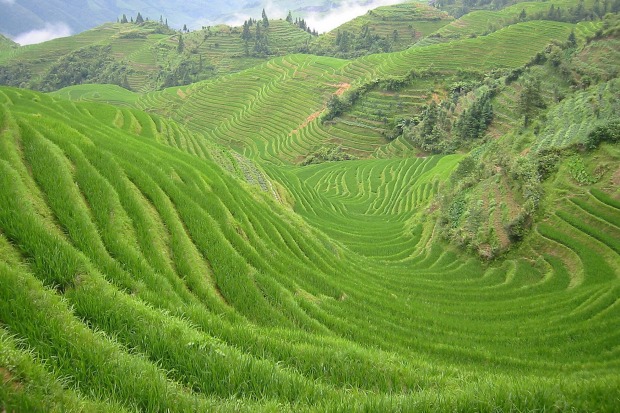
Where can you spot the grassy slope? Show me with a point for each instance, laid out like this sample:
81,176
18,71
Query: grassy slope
294,90
412,21
148,51
482,22
177,259
6,43
141,271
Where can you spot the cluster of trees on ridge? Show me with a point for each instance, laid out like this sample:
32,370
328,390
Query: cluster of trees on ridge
256,31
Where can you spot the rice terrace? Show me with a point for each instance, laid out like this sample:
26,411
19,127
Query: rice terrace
417,211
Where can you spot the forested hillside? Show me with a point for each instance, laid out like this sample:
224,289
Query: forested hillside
431,228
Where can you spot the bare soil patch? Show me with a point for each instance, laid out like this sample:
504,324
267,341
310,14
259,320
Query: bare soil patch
306,122
7,377
342,87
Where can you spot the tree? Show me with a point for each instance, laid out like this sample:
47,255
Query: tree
265,19
246,34
597,9
124,19
572,40
125,82
181,45
530,99
474,121
260,41
185,29
139,19
289,17
522,15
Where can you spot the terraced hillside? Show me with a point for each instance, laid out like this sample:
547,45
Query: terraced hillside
149,53
295,90
129,265
483,22
394,27
167,251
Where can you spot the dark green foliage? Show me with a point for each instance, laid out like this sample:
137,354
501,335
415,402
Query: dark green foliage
547,161
181,44
329,153
189,70
465,169
16,74
518,227
530,99
260,37
93,64
474,121
572,39
133,35
246,34
432,133
609,132
139,19
398,126
261,41
349,44
456,210
265,19
335,106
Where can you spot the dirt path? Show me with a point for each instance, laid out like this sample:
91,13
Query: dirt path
342,87
306,122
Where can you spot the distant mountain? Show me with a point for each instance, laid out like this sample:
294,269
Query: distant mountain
56,18
26,15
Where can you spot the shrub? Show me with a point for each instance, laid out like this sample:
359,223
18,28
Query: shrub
609,132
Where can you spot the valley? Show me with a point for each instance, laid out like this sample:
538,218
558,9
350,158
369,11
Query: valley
434,227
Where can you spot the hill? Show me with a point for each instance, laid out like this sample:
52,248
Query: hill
6,43
185,265
21,17
384,29
431,229
141,57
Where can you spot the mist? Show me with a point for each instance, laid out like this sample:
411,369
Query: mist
320,21
324,22
7,1
49,32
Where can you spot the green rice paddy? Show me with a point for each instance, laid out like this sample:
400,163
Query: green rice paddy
165,252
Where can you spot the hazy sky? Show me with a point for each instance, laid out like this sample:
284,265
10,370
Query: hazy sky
348,11
322,22
49,32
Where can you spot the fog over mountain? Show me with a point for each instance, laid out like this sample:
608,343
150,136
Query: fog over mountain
33,21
